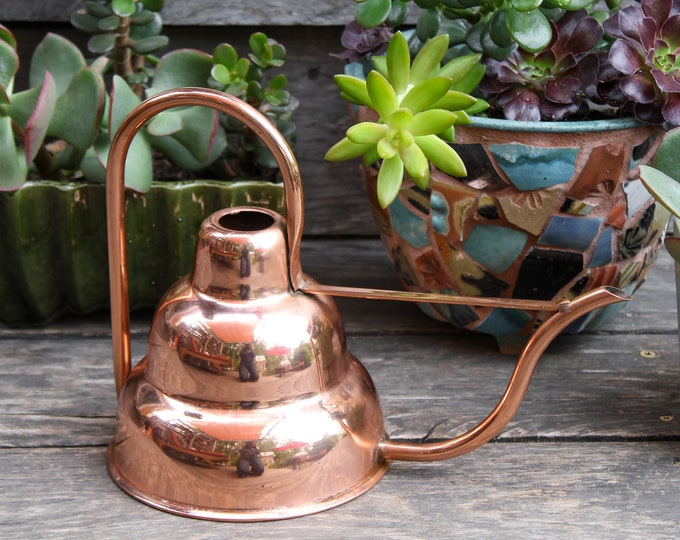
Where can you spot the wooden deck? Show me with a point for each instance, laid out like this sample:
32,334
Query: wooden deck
594,451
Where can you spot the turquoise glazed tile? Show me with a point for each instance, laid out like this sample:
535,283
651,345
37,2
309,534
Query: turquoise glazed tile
530,167
408,225
495,247
603,250
570,232
504,321
440,213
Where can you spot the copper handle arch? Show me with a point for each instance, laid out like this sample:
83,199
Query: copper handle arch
565,312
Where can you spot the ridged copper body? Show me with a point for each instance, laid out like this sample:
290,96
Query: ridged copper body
248,405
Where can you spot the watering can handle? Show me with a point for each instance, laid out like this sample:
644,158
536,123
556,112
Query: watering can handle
564,312
115,201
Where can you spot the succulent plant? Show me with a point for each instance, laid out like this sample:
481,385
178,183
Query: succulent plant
647,53
551,84
417,106
61,127
551,59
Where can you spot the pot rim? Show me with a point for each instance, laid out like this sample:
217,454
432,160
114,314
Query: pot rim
606,124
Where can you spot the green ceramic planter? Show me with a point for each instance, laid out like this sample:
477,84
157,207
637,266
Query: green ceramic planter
53,255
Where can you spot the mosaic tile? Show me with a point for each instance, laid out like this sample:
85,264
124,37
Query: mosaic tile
460,316
486,208
440,213
410,227
482,173
504,321
529,210
600,173
486,284
530,167
603,250
495,247
633,240
637,196
577,207
545,272
570,232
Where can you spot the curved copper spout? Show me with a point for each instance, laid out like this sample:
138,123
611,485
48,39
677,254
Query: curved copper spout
493,424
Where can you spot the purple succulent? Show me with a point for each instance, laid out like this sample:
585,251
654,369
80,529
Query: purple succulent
551,84
647,53
359,41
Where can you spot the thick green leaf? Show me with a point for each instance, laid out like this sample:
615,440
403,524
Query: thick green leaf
13,167
455,101
150,44
9,63
85,22
390,178
459,68
124,8
530,29
101,43
165,123
664,188
221,74
381,93
525,5
153,5
182,157
666,156
199,127
55,52
346,149
398,13
37,124
98,9
226,55
442,155
7,37
152,28
22,105
109,24
428,24
432,122
367,132
78,111
398,63
182,68
429,58
416,165
139,161
498,29
372,12
425,94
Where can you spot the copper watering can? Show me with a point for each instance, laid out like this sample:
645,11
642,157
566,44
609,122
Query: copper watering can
248,405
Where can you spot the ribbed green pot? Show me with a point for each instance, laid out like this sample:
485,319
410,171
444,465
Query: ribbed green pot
53,248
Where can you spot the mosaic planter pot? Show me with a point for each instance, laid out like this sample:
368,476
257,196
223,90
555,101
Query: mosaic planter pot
53,254
548,211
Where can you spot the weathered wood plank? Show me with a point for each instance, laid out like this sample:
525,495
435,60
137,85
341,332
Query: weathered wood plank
204,12
528,490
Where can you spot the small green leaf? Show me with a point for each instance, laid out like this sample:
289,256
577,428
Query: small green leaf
382,96
13,169
432,122
124,8
165,123
150,44
9,63
429,58
181,68
142,18
152,28
366,132
530,29
498,29
78,111
346,149
525,5
372,12
37,124
428,24
85,22
425,94
442,155
353,88
221,74
398,63
398,13
101,43
226,55
380,64
666,156
52,51
390,177
22,105
7,37
109,24
416,165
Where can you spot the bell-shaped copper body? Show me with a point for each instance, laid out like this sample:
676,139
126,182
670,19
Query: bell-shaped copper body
248,405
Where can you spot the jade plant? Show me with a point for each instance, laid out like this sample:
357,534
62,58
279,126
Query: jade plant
417,105
61,126
547,59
